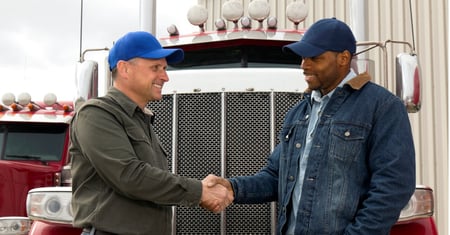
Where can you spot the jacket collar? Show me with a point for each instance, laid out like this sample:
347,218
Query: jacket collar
359,81
356,83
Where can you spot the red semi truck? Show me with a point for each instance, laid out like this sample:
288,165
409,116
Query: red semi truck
33,147
233,86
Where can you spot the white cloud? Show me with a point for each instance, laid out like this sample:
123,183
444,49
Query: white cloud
40,43
174,12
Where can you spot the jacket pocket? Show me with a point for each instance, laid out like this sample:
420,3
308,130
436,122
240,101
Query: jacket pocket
347,140
136,135
141,144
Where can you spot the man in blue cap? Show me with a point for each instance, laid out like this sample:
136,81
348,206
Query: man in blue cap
345,163
121,183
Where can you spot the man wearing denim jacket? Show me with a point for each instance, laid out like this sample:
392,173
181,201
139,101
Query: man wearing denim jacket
345,163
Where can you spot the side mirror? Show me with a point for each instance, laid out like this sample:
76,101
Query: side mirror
408,81
86,81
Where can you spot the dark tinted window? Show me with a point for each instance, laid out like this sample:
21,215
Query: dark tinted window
238,56
33,141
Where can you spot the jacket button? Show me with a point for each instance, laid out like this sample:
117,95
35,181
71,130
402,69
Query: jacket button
298,145
291,177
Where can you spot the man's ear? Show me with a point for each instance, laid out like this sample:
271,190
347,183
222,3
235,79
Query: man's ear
345,58
122,68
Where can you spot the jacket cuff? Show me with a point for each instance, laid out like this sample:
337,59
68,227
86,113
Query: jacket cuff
193,193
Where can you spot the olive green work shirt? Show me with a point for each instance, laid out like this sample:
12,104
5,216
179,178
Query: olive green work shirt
120,179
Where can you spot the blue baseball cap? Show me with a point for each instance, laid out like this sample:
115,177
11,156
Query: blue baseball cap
141,44
324,35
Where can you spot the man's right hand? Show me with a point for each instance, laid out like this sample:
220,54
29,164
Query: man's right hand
217,193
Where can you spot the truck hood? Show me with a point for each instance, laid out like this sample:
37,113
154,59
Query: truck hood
16,179
235,80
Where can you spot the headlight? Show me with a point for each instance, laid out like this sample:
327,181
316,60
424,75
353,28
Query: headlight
14,225
50,204
420,205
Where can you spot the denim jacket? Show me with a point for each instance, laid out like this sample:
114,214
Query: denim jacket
361,168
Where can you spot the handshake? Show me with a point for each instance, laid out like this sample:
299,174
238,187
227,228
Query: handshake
217,193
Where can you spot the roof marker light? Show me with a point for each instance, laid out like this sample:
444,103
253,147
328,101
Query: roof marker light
16,107
24,99
172,30
272,22
220,24
197,15
67,108
8,99
233,11
259,10
296,12
50,99
246,22
32,107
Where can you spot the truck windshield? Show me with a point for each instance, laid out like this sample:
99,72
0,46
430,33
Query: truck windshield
32,142
248,56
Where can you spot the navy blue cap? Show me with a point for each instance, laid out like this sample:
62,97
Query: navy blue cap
141,44
324,35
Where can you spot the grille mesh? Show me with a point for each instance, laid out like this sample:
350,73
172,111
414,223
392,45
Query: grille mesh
247,146
163,123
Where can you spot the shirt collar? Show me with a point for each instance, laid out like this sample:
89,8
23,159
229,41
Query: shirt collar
122,100
317,96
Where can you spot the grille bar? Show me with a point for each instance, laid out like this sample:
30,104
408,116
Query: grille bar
223,162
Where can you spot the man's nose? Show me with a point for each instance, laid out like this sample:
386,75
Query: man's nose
305,63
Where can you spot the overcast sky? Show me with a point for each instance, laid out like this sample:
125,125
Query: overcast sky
40,39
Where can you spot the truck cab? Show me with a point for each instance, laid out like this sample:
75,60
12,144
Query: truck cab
220,113
34,147
34,141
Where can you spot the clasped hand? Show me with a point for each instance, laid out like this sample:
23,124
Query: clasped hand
217,193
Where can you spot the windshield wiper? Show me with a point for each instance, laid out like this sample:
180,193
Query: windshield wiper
26,157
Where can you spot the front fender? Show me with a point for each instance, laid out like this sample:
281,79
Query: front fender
46,228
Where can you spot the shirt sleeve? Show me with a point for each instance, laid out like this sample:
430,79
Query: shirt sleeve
104,142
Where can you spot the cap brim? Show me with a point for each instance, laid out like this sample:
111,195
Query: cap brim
172,56
303,49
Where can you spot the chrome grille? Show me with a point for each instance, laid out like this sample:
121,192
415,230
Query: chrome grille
247,118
